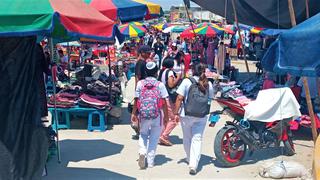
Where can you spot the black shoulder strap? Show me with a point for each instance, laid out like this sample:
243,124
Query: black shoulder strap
167,78
167,74
193,81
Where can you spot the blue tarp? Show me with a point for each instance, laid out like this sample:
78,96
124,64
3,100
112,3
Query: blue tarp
272,32
296,51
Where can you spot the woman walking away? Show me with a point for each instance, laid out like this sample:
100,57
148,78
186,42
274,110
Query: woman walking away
168,77
178,67
196,93
149,99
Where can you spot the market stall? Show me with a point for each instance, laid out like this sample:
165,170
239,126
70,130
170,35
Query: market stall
22,135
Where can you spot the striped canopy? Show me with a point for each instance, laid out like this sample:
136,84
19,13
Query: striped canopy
208,29
127,10
162,26
252,29
174,29
229,29
68,19
256,30
133,29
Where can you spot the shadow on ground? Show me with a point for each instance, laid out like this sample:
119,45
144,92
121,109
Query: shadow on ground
83,150
86,173
175,139
161,159
258,155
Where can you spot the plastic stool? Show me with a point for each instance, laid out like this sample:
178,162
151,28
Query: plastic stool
101,126
64,115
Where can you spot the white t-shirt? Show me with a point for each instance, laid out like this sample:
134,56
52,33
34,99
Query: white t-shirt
162,88
178,69
163,77
183,90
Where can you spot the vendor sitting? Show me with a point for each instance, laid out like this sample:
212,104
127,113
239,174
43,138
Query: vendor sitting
268,82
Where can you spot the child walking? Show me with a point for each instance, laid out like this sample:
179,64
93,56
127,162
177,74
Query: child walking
150,98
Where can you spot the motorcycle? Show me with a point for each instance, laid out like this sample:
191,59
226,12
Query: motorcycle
238,136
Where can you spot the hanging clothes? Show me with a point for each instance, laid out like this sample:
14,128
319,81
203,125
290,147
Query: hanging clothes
219,64
210,53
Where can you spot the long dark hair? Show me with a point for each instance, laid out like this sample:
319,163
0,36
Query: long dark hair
166,64
199,69
178,57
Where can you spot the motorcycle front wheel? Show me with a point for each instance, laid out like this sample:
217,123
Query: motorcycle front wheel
229,149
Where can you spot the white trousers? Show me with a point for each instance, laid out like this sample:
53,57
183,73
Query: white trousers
193,129
150,131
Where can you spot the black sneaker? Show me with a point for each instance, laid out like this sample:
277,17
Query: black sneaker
192,171
142,161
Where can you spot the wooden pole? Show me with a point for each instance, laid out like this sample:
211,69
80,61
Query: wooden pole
292,14
310,109
307,9
305,81
239,33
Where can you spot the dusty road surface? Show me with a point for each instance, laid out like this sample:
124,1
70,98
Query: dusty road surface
113,154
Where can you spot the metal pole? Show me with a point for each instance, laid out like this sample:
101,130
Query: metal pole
54,99
225,9
69,66
110,79
305,81
239,33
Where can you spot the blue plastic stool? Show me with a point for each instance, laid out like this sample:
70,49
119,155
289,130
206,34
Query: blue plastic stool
101,126
64,122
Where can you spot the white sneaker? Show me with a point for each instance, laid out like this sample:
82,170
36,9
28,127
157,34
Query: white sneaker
150,165
192,171
142,161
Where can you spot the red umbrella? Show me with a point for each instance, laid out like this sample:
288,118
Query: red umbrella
188,33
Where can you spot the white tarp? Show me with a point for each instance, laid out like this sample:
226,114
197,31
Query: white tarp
272,105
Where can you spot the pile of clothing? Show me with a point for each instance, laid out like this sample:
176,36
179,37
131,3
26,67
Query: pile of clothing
231,90
74,96
251,88
98,102
66,98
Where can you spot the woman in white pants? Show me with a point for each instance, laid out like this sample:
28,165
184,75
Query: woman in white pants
193,127
150,129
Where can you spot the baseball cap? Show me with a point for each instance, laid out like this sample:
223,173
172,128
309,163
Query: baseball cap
174,44
144,49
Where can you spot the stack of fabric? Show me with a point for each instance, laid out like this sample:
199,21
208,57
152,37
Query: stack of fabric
63,101
98,102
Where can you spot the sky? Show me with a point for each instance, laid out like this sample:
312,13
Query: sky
166,4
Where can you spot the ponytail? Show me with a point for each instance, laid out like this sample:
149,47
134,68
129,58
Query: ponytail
203,83
199,70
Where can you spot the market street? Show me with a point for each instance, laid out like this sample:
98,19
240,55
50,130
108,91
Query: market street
113,154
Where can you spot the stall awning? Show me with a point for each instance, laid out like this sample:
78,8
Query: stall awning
127,10
296,51
59,19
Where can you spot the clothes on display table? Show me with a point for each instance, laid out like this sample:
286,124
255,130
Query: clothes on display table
62,101
91,101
